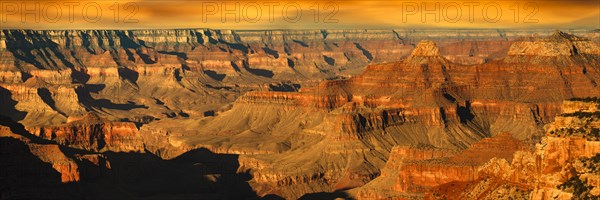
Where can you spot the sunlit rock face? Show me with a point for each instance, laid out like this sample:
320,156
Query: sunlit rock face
563,165
93,133
558,44
367,114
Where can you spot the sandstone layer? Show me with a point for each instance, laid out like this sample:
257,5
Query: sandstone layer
563,165
369,114
348,127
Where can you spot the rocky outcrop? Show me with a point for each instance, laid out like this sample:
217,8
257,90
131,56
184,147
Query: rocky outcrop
423,99
93,133
282,52
33,168
395,118
215,66
47,153
558,44
559,168
412,175
581,104
426,48
429,89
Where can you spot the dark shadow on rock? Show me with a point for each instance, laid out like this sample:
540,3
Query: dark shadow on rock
183,114
19,129
329,60
146,57
326,195
127,44
36,49
22,46
88,170
209,113
7,105
208,34
464,112
443,116
291,63
144,175
449,97
177,75
25,76
88,101
272,197
105,103
185,67
217,87
285,87
365,52
214,75
181,55
197,174
94,88
271,52
79,76
235,66
230,183
198,35
128,74
236,46
10,116
259,72
86,42
46,96
300,43
324,33
24,176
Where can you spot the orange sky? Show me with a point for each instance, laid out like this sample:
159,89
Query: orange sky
135,14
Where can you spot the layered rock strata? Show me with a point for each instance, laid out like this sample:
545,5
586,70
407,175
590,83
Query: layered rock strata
424,99
417,118
563,166
92,133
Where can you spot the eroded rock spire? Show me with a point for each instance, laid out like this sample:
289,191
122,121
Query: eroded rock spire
426,48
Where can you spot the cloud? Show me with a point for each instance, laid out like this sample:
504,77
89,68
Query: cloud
314,14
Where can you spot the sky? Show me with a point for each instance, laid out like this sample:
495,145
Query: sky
304,14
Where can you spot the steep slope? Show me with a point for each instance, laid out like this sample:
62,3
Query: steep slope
160,74
34,168
248,110
407,174
338,134
563,166
93,133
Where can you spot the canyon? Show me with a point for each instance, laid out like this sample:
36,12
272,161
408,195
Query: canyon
309,114
562,165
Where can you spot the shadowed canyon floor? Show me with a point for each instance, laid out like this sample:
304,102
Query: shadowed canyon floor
304,114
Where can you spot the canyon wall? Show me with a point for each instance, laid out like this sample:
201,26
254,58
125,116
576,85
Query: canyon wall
563,165
369,114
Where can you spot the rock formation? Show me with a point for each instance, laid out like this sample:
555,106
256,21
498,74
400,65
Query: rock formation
92,133
36,168
410,175
424,99
47,153
365,114
563,166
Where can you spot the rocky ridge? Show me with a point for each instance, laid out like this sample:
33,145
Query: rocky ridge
424,99
562,166
183,98
92,133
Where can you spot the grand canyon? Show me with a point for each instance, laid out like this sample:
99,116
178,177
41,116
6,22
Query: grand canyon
300,114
